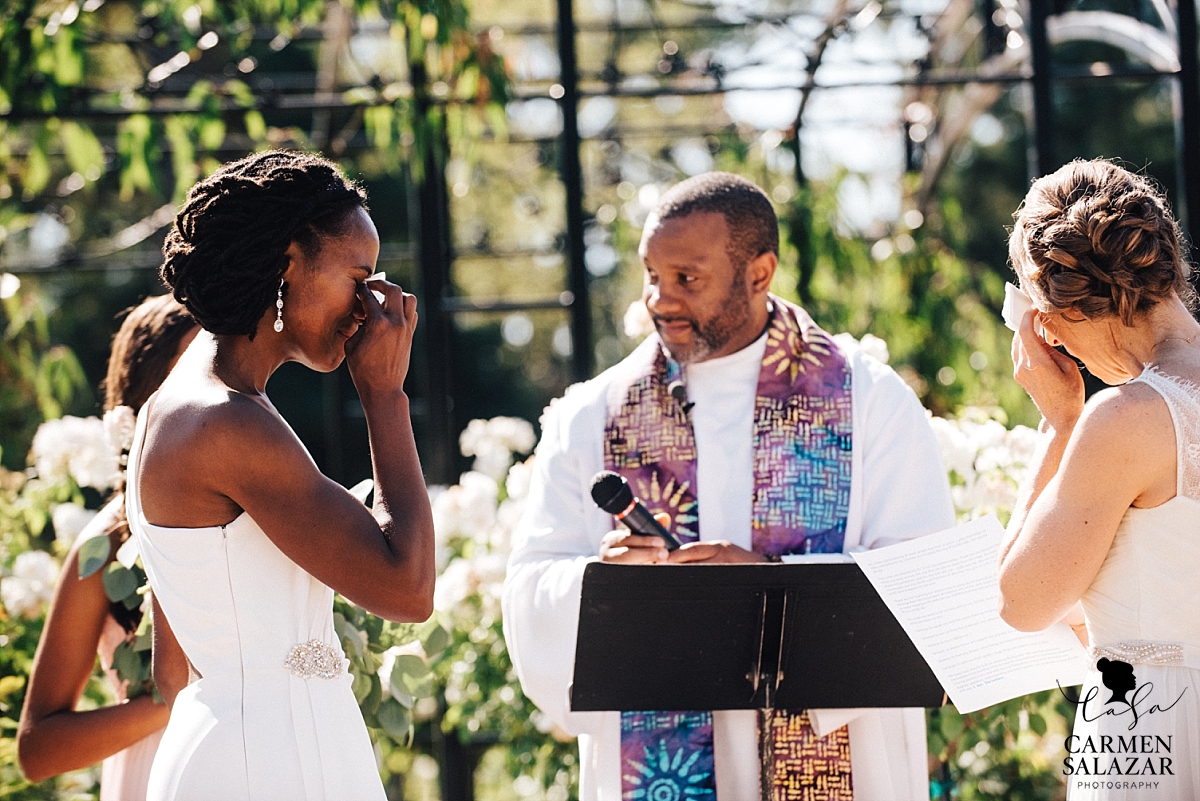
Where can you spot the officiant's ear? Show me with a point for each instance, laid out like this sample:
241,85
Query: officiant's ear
759,272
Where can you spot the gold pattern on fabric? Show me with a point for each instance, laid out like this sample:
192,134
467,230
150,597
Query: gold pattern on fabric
808,767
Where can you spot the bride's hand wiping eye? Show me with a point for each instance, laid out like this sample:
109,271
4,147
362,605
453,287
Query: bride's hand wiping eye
379,351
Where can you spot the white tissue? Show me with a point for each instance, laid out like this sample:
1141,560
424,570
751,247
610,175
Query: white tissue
1016,303
381,276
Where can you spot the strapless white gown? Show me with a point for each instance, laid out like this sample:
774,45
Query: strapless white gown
251,727
1144,608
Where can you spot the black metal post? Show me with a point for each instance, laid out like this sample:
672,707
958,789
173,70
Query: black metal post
1187,138
1041,160
572,178
432,219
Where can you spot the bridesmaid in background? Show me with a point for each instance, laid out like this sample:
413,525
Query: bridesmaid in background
54,738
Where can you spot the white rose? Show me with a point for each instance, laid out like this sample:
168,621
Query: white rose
517,482
31,585
492,459
76,447
69,521
513,433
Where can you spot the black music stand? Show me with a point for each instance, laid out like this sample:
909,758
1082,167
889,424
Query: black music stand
784,636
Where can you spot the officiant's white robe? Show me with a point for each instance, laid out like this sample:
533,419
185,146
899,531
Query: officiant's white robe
898,491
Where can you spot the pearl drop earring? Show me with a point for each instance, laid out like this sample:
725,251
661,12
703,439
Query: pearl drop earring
279,308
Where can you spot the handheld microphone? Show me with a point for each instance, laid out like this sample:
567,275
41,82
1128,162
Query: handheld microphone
612,493
678,390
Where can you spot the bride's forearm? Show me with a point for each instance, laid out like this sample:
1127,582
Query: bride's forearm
1047,458
401,503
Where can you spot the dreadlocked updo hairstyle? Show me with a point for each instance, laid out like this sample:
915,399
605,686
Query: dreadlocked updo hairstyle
224,257
143,350
1097,239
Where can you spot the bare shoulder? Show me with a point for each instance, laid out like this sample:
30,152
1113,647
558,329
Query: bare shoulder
1135,409
197,446
1127,433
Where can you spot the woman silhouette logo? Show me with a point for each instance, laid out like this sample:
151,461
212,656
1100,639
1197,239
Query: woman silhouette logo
1118,677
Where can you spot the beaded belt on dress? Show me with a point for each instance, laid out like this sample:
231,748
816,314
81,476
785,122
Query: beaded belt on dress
314,658
1139,652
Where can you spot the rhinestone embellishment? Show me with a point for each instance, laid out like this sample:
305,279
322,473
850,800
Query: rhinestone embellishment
1140,652
314,658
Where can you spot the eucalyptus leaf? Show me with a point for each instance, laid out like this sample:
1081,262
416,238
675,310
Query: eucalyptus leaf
127,664
394,719
119,583
435,641
952,723
374,695
361,687
93,553
411,665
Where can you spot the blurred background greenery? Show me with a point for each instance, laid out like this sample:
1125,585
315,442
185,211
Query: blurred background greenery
895,136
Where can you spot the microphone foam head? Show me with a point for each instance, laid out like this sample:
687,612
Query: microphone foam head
611,492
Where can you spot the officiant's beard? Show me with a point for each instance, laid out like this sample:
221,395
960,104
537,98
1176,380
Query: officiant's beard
715,333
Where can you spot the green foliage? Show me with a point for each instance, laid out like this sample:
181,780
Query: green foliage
38,379
938,313
73,77
1007,752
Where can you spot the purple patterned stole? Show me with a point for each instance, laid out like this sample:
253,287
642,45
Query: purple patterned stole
802,455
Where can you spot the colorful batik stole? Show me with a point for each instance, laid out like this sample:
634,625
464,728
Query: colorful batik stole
802,454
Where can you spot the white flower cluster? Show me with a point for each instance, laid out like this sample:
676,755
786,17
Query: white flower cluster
76,447
473,526
120,424
31,585
70,519
987,462
493,442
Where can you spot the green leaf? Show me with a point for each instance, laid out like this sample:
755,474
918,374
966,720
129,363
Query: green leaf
1038,724
411,665
361,687
952,723
353,640
212,133
256,126
93,553
374,695
435,641
394,719
10,685
128,664
119,583
82,148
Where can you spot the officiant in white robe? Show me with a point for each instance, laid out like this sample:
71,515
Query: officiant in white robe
897,490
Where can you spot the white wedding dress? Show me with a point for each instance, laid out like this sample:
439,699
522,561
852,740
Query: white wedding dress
273,715
1143,608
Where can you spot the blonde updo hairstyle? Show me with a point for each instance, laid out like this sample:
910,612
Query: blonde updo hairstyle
1096,239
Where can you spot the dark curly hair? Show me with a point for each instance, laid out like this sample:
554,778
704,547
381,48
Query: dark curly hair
224,257
749,215
1094,238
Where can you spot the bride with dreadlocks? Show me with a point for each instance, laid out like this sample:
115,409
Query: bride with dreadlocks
243,539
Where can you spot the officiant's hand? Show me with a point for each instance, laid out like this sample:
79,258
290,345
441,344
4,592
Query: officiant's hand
714,552
624,547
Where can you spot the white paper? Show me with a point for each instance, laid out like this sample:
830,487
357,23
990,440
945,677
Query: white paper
943,589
